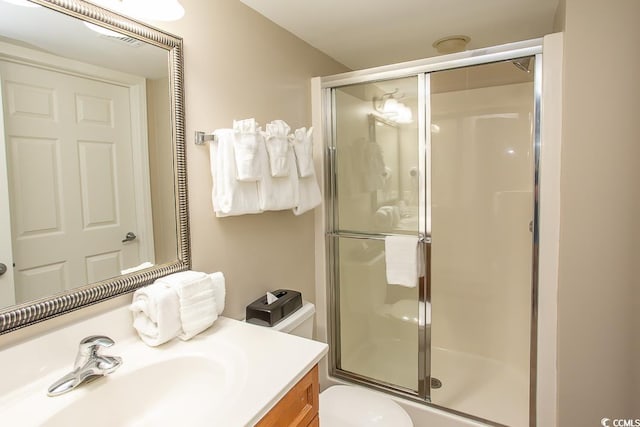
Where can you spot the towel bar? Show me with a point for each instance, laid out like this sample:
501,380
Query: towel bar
370,236
202,138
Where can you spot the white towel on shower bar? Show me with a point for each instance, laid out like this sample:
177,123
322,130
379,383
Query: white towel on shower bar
402,260
230,196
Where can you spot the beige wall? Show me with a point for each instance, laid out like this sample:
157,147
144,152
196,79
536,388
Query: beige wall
240,65
598,320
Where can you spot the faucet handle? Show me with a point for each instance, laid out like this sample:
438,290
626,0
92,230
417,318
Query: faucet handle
96,341
89,347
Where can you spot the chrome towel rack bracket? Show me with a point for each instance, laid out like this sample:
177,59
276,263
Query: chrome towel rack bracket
202,138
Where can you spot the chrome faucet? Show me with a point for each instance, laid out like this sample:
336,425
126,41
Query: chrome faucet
88,366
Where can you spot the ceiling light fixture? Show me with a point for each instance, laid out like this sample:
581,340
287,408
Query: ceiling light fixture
451,44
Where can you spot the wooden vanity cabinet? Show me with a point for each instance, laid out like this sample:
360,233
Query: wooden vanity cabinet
299,407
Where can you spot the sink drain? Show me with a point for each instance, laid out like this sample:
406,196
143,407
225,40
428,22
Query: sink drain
435,383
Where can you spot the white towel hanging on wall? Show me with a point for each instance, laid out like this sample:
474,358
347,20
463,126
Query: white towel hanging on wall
303,149
277,193
230,196
256,171
247,139
278,148
309,195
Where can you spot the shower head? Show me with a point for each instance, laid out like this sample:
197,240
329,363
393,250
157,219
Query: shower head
522,64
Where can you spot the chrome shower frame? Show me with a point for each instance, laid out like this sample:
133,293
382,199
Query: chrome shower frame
421,69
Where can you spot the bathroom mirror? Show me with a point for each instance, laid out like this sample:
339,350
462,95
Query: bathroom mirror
92,161
386,135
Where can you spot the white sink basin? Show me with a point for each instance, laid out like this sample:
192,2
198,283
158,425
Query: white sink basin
230,375
150,395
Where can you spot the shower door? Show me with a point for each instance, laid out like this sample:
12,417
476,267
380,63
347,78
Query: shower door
482,214
376,186
447,156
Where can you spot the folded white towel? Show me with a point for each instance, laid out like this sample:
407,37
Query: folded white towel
303,149
278,148
247,138
196,294
219,290
230,196
402,260
156,315
277,193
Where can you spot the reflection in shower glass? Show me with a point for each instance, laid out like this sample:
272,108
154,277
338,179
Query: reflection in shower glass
376,140
376,145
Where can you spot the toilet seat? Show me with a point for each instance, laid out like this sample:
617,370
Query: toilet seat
350,406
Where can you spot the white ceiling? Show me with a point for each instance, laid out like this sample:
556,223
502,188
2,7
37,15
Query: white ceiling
367,33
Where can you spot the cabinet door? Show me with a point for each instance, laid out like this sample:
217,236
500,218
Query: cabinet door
299,407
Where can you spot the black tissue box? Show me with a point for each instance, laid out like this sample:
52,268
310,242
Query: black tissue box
263,314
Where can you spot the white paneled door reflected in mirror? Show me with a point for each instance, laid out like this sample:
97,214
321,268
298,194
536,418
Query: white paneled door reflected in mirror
88,144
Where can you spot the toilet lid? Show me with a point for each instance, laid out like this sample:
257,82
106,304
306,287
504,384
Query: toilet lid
350,406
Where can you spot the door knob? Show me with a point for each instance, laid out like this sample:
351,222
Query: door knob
3,269
129,237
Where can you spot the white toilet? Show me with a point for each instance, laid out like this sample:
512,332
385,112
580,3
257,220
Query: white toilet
343,405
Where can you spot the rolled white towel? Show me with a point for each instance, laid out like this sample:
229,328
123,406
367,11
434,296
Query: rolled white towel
198,309
156,313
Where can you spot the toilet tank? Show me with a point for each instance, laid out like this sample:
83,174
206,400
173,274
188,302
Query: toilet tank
299,323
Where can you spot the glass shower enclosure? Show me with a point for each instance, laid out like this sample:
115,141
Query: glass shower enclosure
446,153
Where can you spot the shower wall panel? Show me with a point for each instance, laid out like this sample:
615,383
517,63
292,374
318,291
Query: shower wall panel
482,210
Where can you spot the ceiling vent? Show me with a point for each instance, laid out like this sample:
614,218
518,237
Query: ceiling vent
451,44
129,41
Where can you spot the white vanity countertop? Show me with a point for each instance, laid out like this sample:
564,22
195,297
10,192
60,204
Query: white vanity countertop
250,368
276,362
